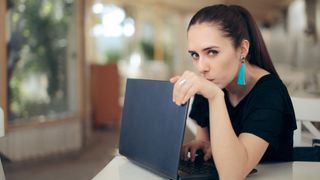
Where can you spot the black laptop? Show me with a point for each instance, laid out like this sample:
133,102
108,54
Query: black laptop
152,131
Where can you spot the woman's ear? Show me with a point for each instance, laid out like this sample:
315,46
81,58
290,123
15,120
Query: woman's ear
244,47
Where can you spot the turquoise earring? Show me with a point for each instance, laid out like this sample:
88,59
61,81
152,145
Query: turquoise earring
241,75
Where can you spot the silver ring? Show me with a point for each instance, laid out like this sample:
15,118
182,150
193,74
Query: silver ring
182,82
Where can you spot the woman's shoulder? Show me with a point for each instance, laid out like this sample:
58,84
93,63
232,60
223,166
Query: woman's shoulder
269,84
270,92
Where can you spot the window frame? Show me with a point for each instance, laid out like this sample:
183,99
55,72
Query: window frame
79,114
3,62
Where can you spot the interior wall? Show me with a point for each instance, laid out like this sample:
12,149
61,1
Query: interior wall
40,141
51,136
295,52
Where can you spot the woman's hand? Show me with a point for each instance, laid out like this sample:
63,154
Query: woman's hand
193,146
189,84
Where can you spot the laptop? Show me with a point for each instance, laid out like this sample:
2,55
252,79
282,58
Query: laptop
152,132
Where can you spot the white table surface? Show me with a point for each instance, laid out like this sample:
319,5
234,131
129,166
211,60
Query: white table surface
120,168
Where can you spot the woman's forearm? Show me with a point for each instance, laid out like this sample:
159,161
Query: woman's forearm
202,134
229,153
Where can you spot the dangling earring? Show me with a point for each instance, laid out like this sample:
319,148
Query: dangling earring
241,75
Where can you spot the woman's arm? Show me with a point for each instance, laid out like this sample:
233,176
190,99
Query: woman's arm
234,156
202,134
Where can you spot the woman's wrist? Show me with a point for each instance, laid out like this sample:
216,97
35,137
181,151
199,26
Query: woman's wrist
201,139
217,95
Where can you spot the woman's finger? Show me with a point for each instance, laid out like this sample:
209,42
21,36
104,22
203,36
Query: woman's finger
193,153
182,91
185,153
180,88
191,92
174,79
207,156
184,150
207,152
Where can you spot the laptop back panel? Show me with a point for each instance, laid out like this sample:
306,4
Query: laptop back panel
152,126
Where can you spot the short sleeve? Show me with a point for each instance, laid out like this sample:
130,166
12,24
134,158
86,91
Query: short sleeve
266,114
266,124
200,111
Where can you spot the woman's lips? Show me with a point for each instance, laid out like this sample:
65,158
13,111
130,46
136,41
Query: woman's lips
213,81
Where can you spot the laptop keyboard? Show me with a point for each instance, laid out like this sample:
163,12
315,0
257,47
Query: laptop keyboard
197,167
201,167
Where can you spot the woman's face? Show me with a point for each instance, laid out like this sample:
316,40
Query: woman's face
213,54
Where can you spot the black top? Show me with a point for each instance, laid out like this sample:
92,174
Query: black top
266,111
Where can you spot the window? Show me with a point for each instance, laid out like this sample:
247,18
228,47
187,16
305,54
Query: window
111,32
41,59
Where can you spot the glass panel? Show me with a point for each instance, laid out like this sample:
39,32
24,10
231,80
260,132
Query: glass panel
111,32
41,52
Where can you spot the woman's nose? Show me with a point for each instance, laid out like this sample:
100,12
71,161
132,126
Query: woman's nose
203,65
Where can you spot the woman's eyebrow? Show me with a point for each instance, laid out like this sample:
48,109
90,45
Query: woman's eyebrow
205,49
190,51
211,47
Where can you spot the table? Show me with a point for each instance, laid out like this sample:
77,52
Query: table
120,168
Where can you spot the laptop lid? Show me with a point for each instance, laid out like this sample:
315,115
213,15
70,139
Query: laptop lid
152,126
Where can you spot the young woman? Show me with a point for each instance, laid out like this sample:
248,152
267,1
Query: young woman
243,109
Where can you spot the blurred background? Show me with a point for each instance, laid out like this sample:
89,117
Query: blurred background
64,64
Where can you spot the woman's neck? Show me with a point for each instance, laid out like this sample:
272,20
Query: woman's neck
252,74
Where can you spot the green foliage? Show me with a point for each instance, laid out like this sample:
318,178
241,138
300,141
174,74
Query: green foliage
112,56
147,49
44,28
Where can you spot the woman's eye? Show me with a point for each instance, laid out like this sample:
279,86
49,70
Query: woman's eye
194,56
212,52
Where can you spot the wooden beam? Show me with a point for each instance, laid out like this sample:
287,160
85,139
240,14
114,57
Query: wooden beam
158,42
261,9
82,6
3,61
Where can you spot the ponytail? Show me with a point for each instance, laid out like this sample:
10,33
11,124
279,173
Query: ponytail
258,53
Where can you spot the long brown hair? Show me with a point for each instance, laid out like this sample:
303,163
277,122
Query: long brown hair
237,23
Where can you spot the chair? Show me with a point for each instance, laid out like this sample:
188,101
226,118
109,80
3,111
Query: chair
307,110
105,94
